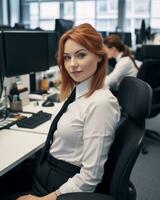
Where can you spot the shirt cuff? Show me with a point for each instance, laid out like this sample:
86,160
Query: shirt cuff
68,187
58,192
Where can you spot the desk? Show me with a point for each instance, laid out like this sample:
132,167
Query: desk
16,146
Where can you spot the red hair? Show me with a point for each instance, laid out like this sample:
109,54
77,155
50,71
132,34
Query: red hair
88,37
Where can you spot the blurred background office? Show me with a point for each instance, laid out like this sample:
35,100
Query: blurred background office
105,15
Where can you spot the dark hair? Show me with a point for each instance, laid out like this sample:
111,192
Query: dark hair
88,37
115,41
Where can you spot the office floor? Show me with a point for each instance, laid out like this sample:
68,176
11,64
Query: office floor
146,173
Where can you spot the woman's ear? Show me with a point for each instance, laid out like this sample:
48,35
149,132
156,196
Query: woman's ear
100,58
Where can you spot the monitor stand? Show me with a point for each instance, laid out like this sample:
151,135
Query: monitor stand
33,86
32,82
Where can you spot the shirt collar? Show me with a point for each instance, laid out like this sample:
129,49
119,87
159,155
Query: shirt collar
83,87
119,56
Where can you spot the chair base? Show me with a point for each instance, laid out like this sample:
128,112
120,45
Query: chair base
132,191
153,135
144,149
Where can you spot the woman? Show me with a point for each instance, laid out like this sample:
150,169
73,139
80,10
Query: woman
85,131
125,66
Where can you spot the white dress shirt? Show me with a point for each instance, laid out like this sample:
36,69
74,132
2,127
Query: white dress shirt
84,135
124,67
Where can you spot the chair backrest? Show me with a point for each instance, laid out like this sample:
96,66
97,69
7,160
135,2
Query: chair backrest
150,73
135,99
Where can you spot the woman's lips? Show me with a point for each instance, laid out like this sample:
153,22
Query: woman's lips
76,72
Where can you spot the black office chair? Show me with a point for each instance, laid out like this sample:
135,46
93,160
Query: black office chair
135,99
150,73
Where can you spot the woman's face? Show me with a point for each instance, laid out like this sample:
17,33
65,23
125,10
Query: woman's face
78,61
111,52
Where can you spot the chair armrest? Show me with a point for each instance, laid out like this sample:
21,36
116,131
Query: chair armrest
84,196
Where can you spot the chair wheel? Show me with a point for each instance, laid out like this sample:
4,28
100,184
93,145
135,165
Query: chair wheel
144,150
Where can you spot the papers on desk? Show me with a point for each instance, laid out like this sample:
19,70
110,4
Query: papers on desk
10,120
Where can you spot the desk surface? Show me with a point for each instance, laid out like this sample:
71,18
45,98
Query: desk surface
32,107
16,146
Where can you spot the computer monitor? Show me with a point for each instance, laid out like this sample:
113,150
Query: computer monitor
138,38
103,33
126,37
2,67
53,47
62,25
150,52
27,51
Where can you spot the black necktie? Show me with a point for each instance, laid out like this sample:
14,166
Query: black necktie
53,126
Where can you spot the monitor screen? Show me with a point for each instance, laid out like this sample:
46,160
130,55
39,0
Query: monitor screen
2,68
62,25
27,52
53,47
127,39
150,52
103,33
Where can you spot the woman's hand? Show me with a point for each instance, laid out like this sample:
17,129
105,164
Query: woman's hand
51,196
28,197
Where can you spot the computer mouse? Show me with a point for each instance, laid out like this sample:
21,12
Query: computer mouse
48,103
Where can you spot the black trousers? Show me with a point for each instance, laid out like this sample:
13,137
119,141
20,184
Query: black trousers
48,177
51,174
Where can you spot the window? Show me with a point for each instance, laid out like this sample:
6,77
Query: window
42,13
155,14
107,14
49,11
69,10
88,10
34,13
136,11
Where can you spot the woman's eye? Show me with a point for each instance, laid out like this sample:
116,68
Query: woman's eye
66,58
81,55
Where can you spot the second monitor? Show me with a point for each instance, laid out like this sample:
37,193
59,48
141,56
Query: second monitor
63,25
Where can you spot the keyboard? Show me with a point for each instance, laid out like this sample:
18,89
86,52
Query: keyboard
35,120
